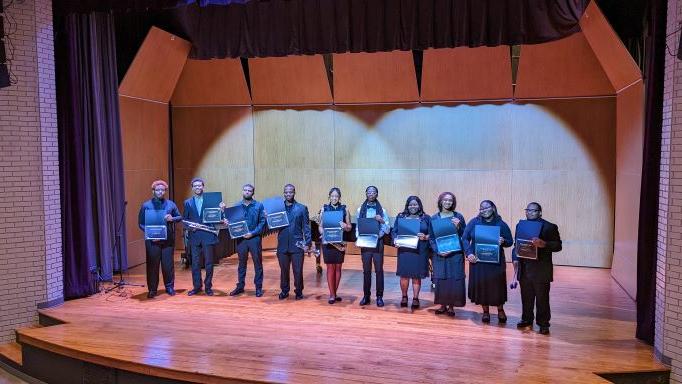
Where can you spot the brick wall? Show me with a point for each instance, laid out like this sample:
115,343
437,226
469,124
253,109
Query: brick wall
30,246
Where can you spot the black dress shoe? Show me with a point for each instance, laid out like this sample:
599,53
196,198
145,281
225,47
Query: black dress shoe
544,331
331,301
380,301
209,292
365,300
338,298
403,302
415,303
170,292
259,292
283,295
236,291
150,295
523,324
193,292
299,296
486,317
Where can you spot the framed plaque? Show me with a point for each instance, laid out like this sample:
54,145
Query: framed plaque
487,247
276,213
210,211
368,232
445,232
526,231
236,221
155,225
331,229
406,233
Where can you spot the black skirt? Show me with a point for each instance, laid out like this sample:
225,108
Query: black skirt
450,292
488,283
331,255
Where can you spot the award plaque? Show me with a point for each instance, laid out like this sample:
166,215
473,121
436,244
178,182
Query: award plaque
406,233
447,239
332,235
526,230
236,221
155,225
212,215
487,247
276,214
238,229
368,232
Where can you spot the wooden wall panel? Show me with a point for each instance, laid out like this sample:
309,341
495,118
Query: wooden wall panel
211,82
629,148
215,143
561,68
145,143
156,67
290,80
382,77
619,66
466,74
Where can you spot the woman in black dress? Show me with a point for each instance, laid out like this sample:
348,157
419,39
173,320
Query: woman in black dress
487,281
334,254
448,268
413,264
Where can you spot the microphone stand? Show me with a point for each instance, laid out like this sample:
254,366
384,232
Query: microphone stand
117,248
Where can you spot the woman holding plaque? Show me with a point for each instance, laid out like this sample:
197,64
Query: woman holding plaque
487,269
448,264
334,253
413,263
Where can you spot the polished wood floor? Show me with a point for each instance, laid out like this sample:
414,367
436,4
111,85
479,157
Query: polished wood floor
215,339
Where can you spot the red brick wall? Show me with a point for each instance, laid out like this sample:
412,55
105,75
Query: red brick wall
30,248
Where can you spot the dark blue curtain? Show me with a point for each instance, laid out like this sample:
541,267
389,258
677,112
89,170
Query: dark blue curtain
91,172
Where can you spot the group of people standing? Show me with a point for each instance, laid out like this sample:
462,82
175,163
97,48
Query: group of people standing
487,281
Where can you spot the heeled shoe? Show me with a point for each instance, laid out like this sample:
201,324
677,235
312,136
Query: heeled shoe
501,317
331,300
415,303
486,317
403,302
441,310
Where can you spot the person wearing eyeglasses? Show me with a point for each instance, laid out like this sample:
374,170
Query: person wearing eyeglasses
488,281
160,252
334,255
200,242
371,208
535,276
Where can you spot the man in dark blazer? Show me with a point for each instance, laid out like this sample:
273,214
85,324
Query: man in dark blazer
292,242
535,276
200,242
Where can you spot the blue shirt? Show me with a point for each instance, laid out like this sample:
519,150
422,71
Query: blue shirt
199,202
254,216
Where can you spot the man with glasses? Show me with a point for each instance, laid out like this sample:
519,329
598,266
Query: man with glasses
160,251
535,276
200,242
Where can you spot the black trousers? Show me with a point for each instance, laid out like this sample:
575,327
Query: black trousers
159,253
197,251
244,246
286,259
373,256
534,294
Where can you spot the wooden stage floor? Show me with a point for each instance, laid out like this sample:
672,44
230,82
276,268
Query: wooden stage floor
215,339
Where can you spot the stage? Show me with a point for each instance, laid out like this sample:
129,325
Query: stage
245,338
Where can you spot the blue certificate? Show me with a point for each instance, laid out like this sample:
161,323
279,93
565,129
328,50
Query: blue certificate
331,228
526,231
487,246
276,212
445,232
406,233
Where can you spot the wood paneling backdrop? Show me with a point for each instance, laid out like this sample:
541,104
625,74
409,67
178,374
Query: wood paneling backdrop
558,152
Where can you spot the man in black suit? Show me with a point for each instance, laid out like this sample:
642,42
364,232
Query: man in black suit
535,276
200,242
292,242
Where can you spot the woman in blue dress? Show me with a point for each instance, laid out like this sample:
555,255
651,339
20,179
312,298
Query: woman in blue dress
487,281
413,264
448,268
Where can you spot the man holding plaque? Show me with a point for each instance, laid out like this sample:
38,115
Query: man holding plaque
536,239
159,245
201,242
484,239
249,222
371,208
447,228
292,241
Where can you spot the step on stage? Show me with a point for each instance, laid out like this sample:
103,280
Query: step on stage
117,338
